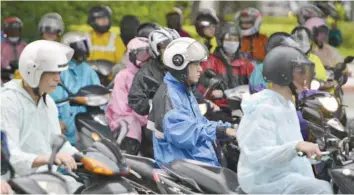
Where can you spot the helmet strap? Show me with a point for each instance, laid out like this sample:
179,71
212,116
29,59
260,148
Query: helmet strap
293,91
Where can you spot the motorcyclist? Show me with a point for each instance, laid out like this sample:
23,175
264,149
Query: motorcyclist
29,116
303,36
257,82
12,46
78,75
128,28
329,55
269,133
180,130
205,26
103,44
227,64
51,26
253,42
118,109
140,94
174,20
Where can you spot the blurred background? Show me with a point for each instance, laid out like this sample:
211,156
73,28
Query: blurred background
278,15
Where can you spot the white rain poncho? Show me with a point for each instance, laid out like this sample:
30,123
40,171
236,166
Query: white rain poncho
267,136
30,128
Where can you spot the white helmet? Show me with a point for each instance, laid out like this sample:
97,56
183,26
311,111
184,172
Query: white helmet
51,22
72,37
43,56
161,36
182,51
78,42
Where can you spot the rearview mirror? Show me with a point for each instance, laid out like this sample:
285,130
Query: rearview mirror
210,73
57,144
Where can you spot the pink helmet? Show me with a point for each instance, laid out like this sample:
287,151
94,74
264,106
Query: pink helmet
314,23
138,50
318,28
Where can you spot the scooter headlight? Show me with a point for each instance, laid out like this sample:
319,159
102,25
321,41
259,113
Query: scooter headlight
329,103
97,100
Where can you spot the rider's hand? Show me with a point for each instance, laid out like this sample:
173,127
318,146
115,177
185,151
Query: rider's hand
217,93
5,188
309,148
213,106
67,160
231,132
62,127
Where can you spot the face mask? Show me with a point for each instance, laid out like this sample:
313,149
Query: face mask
231,47
13,39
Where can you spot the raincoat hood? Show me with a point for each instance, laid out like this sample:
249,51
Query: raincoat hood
265,98
16,86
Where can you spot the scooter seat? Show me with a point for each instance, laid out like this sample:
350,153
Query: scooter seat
143,166
210,179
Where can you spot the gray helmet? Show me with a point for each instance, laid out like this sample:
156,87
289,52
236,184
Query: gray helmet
230,28
308,11
51,22
280,63
280,39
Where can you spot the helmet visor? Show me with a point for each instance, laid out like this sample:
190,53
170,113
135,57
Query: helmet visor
81,48
305,67
142,53
196,52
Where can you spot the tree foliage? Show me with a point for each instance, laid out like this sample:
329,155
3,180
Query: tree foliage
75,12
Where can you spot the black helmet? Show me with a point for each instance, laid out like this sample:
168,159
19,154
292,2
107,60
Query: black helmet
99,12
12,29
205,18
174,18
145,29
280,63
230,28
280,39
128,28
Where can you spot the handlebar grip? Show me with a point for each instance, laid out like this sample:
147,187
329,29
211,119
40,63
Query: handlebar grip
78,157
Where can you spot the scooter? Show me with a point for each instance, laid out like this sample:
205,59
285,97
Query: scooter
336,75
91,125
324,132
101,167
234,95
327,104
47,182
339,160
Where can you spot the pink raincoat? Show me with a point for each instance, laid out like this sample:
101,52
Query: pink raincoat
118,108
7,52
